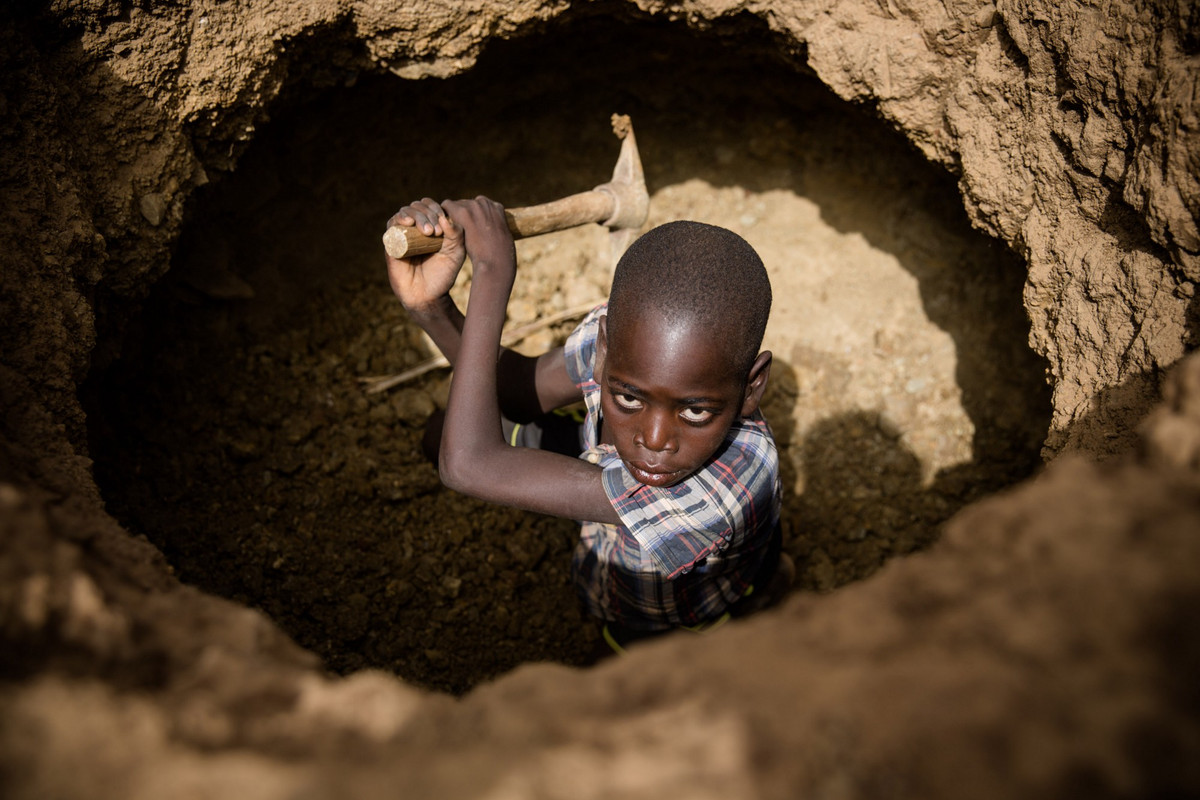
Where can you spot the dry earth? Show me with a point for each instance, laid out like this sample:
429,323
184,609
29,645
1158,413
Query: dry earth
192,201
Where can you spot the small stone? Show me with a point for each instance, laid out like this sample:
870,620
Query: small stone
297,430
392,487
413,406
986,17
382,412
154,207
521,311
402,591
580,291
538,343
242,450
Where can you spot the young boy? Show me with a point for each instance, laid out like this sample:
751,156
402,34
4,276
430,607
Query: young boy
677,481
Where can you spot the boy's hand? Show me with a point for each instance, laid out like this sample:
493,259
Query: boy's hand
489,242
421,281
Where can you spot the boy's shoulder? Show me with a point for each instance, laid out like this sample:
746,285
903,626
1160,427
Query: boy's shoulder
751,457
752,438
580,348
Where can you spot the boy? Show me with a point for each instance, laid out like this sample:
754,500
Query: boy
677,484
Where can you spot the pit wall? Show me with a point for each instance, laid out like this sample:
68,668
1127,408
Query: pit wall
1014,658
1072,129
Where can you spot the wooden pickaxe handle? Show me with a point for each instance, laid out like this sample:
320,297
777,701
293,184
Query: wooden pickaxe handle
558,215
623,202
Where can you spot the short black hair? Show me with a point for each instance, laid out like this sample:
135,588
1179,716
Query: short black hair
695,272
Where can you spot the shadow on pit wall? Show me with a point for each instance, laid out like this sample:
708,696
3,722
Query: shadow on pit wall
853,492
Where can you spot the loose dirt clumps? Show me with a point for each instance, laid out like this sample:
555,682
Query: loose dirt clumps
193,198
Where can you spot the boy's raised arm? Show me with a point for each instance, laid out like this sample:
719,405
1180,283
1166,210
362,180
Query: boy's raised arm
422,284
474,458
527,386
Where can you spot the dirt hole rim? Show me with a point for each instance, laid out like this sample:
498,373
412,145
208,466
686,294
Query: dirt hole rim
591,153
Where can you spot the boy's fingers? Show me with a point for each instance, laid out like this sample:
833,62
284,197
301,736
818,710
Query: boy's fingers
427,226
454,213
421,217
461,210
432,215
487,202
424,214
452,237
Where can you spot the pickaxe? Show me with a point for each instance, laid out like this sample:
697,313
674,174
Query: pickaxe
621,205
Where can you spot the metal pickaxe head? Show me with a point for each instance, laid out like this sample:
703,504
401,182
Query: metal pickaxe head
631,201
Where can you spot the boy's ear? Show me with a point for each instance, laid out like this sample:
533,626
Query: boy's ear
601,349
756,383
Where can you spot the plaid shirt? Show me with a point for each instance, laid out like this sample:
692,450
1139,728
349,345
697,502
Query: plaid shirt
684,553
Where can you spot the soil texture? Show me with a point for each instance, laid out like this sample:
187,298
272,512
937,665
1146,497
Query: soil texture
236,433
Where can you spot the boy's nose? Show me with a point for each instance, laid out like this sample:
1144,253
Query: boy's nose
656,433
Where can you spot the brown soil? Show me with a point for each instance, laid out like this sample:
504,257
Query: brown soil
160,163
236,435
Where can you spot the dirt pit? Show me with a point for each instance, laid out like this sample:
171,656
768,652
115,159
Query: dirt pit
234,430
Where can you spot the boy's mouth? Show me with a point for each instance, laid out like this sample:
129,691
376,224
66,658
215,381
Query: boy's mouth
653,475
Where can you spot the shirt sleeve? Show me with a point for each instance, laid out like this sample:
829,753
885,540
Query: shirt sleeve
580,348
679,525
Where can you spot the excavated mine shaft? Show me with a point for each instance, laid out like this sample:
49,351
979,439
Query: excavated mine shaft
234,449
903,386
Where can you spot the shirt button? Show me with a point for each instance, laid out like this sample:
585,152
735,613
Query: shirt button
592,458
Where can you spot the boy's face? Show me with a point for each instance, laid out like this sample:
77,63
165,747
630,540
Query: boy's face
669,393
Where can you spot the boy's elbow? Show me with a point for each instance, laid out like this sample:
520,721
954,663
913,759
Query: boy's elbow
454,470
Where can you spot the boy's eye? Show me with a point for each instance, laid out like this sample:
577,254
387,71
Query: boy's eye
627,401
696,415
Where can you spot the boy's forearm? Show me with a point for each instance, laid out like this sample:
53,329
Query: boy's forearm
518,373
443,322
474,457
472,430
